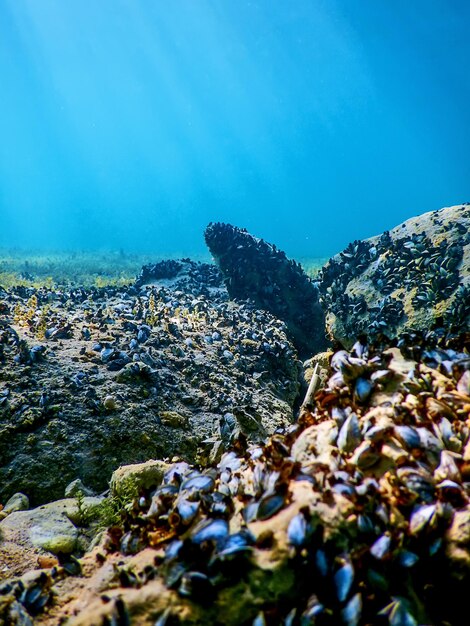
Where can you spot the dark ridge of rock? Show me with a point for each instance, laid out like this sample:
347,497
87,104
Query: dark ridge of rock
91,379
415,277
256,270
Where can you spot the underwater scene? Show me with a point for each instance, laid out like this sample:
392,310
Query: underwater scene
234,313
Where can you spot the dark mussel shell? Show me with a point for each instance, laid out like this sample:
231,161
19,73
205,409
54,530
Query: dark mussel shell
214,530
270,505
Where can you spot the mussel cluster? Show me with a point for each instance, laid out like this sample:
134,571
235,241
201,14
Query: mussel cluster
416,262
346,517
193,276
459,310
186,373
381,316
336,274
416,271
21,599
356,313
256,270
20,351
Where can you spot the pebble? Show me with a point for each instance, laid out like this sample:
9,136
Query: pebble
110,403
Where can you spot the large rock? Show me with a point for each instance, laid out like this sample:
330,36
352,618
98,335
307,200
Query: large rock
415,277
47,527
138,375
256,270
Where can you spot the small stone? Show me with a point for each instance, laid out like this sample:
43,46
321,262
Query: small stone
110,403
132,373
106,354
132,478
175,419
75,487
45,561
17,502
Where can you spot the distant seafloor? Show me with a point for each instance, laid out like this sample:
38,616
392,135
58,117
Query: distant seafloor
86,269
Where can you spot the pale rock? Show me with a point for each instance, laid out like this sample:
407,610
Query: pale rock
129,479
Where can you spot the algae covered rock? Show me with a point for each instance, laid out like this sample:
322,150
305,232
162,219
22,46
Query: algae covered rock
130,479
414,277
173,362
256,270
17,502
47,527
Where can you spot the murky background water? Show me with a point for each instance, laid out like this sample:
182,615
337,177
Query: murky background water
129,125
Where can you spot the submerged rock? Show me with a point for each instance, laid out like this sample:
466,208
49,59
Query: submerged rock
415,277
256,270
185,275
162,389
47,528
17,502
131,479
77,489
40,537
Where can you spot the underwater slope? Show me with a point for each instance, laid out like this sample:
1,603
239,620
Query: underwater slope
91,379
356,514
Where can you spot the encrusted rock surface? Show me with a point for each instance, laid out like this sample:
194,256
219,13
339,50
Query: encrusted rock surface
92,379
417,276
256,270
358,514
184,275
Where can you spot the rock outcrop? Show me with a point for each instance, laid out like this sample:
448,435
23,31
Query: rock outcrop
92,379
30,538
256,270
415,277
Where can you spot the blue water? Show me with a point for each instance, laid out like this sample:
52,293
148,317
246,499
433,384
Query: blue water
130,124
